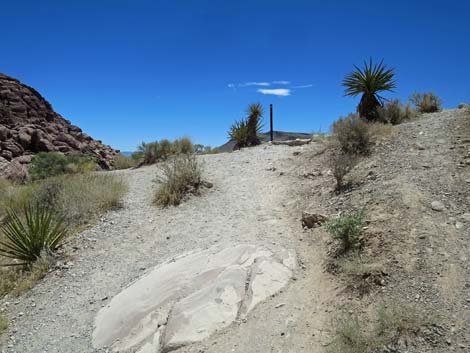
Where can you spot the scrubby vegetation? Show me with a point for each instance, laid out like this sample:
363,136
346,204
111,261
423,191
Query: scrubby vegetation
341,164
181,176
74,199
3,323
395,112
157,151
245,131
352,134
41,232
391,325
201,149
347,229
368,82
125,162
49,164
426,102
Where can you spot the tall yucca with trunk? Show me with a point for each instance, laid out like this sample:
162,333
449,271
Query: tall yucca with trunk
369,81
254,125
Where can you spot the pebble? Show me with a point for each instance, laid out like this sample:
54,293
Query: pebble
437,206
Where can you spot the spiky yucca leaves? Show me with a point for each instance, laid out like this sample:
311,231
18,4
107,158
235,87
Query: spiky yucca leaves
254,124
239,133
26,239
369,81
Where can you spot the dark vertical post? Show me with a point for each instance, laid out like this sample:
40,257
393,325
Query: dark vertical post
271,121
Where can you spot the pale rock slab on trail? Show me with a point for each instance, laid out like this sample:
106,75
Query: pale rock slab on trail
188,298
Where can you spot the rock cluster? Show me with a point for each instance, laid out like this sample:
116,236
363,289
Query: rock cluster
28,125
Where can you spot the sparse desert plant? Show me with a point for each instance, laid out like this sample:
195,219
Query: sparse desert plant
3,323
49,164
124,162
181,176
348,229
353,135
369,81
395,112
392,322
26,239
426,102
341,164
150,152
254,123
239,133
157,151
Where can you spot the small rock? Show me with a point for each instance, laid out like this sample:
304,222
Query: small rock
459,225
280,305
312,220
437,206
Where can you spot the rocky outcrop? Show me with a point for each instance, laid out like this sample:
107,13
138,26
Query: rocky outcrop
28,125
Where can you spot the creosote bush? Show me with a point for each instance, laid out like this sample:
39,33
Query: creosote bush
181,176
347,229
124,162
395,112
49,164
353,135
157,151
28,236
426,102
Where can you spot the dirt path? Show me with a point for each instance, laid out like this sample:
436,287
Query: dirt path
256,199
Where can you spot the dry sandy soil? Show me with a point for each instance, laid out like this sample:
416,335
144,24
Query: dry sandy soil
256,199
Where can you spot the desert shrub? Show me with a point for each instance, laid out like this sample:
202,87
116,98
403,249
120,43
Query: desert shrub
239,133
391,323
341,164
181,177
426,102
3,323
395,112
183,145
81,198
48,164
26,239
124,162
347,229
152,152
201,149
352,134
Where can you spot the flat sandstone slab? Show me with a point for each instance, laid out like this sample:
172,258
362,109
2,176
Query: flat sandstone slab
188,298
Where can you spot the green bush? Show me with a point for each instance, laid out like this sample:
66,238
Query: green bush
353,135
157,151
239,133
347,229
426,102
48,164
395,112
40,231
124,162
181,177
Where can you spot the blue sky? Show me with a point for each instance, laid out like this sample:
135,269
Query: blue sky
128,71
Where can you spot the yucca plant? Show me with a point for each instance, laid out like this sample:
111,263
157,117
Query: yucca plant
239,133
369,81
254,124
26,239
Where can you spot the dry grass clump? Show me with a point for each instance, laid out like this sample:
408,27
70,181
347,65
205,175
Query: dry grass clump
181,177
426,102
393,324
352,134
341,164
395,112
3,323
153,152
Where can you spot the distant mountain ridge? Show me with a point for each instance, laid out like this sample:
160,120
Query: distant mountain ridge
265,137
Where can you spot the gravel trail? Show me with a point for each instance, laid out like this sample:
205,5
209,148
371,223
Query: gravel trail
256,199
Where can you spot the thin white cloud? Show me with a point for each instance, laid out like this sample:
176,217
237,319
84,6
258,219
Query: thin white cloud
304,86
231,85
281,82
282,92
247,84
